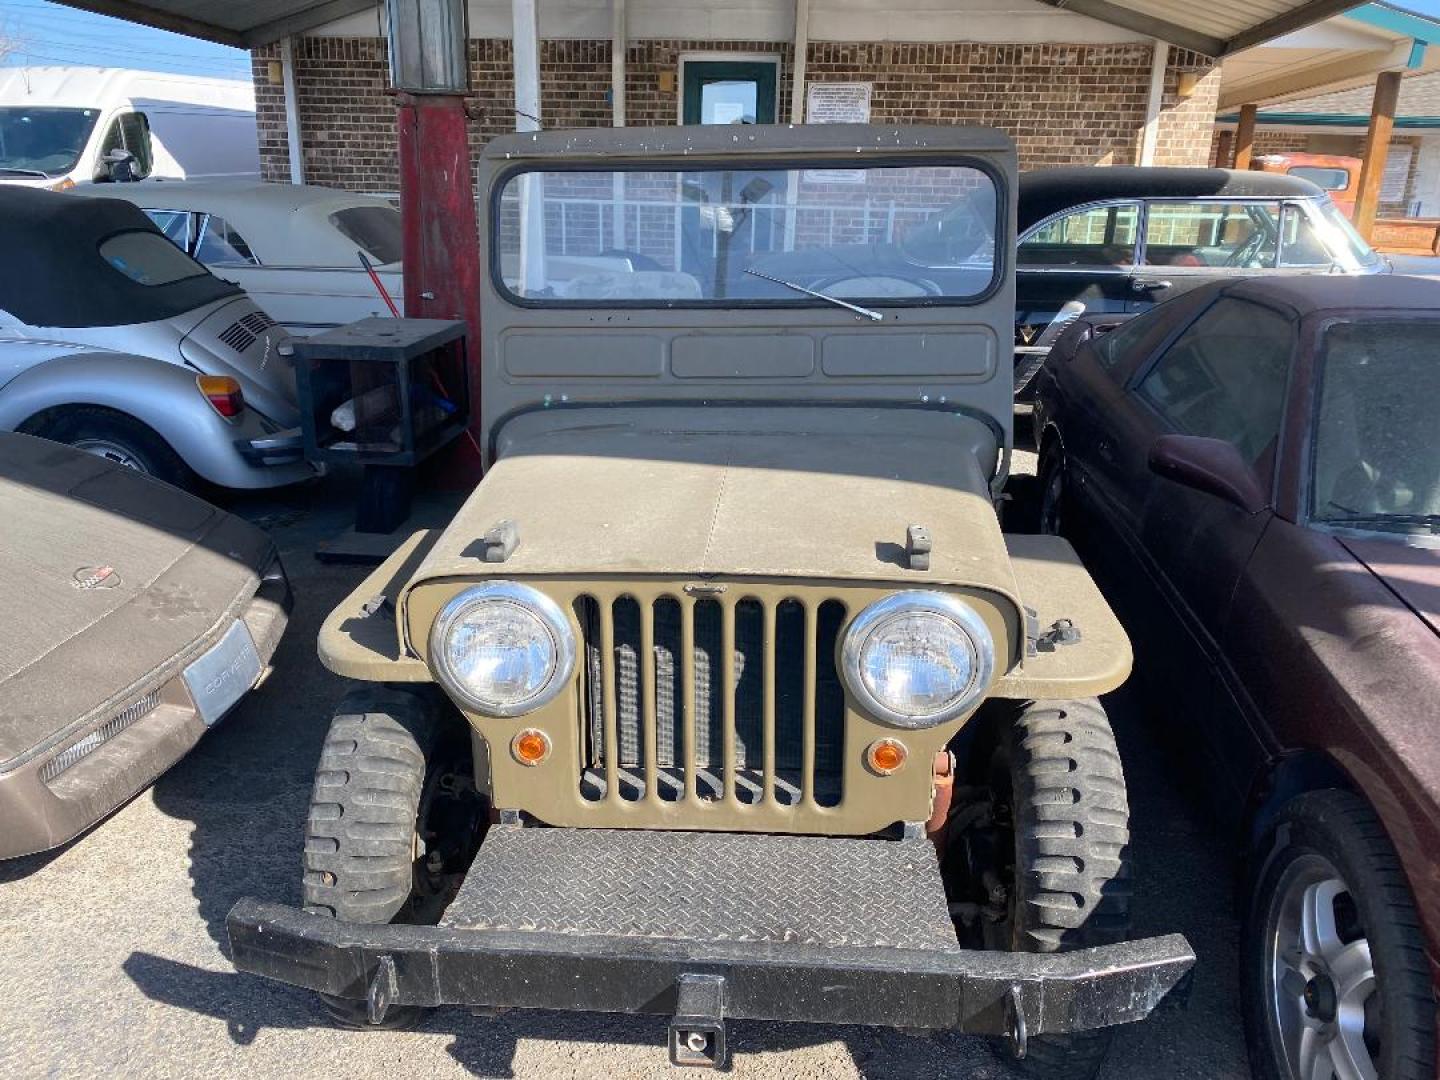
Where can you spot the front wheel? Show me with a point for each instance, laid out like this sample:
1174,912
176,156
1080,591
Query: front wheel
1334,972
119,439
393,821
1060,784
1052,492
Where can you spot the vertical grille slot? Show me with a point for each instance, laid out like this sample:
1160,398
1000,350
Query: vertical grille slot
712,699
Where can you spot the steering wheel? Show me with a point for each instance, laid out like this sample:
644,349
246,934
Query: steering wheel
1242,255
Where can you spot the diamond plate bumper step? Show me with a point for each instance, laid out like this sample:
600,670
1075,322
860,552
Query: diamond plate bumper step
706,927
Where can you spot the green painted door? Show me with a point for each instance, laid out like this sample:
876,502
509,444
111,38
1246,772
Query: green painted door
729,92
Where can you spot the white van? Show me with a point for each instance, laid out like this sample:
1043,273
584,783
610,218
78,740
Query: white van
62,126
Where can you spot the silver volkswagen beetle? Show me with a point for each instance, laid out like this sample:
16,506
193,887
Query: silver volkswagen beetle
115,341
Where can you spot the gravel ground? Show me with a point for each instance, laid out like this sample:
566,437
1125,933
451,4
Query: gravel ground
113,954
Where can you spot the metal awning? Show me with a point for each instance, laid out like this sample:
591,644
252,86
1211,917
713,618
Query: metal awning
1215,28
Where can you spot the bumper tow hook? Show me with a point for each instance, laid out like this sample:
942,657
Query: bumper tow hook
697,1032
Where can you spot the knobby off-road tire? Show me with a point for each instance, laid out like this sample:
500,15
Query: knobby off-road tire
360,839
1072,874
1329,835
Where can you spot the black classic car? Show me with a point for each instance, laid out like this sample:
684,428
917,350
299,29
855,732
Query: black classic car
1120,240
1252,473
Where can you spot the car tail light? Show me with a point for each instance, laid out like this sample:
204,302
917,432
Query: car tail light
223,393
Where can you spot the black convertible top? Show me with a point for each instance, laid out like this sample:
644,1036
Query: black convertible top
1044,192
54,275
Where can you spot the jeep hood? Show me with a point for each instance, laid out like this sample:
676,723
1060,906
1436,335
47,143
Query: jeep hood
802,492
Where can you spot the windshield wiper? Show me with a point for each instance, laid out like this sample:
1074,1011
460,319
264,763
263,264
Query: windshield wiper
11,171
869,313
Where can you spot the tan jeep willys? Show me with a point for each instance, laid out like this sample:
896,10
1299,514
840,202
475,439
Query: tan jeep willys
724,694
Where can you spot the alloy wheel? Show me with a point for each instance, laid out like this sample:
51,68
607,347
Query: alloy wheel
1320,978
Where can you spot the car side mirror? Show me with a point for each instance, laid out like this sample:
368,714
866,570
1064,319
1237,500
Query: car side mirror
120,166
1213,466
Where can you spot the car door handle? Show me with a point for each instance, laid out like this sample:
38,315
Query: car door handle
1149,286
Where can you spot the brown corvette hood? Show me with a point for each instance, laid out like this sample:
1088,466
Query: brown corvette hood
737,490
104,575
1412,572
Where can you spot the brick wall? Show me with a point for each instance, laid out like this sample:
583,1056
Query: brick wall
1185,123
1063,104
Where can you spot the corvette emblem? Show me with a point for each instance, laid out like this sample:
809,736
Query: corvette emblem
96,577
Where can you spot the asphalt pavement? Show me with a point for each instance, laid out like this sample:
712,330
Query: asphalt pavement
113,953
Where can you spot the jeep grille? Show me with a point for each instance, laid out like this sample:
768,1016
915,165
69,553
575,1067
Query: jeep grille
712,696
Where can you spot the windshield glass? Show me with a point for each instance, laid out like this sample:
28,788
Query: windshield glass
43,141
878,234
373,229
1340,236
1376,455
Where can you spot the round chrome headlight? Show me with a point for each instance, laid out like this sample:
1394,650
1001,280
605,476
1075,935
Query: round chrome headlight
917,659
502,648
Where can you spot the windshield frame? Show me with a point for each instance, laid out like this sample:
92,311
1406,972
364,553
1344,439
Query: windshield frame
1001,263
74,162
1314,342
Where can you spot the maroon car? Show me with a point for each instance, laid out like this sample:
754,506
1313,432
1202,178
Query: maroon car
1253,471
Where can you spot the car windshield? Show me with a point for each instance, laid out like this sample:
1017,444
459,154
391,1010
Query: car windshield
1376,458
375,230
1340,236
43,141
879,234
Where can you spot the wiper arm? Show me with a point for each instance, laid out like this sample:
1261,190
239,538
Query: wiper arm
869,313
10,171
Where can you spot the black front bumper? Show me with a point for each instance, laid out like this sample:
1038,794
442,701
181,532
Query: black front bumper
958,990
704,927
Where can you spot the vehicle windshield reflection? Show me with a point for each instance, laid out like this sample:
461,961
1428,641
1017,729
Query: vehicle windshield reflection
1376,460
43,141
737,236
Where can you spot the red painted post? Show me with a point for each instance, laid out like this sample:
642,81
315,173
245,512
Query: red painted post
441,241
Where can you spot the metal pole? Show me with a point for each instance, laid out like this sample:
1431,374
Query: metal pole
1150,134
1377,150
618,44
797,71
619,41
526,47
292,110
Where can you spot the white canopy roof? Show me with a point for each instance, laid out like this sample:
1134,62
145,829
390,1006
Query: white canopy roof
1216,27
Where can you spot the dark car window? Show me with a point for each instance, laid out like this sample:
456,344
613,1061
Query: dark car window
373,229
1331,179
175,224
1301,245
131,132
1224,377
1376,451
1113,346
148,258
1235,235
220,243
44,140
1098,236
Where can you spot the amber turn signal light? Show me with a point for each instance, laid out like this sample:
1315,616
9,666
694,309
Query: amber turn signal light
223,393
530,747
885,756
